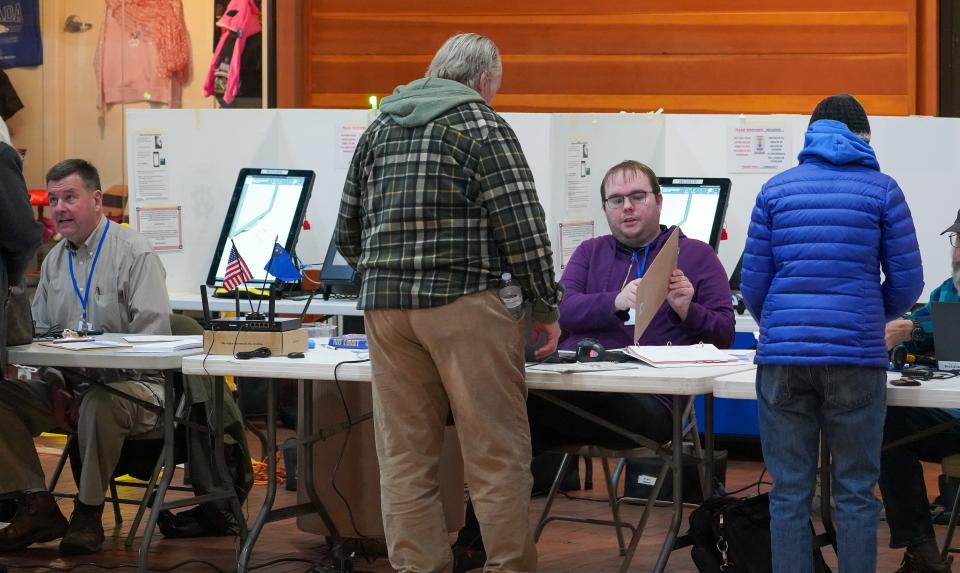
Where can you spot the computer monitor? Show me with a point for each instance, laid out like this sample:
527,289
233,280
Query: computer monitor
946,334
336,274
697,205
266,204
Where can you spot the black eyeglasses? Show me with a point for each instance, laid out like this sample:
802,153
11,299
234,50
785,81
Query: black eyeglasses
636,199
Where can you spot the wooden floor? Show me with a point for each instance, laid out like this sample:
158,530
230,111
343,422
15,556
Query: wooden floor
564,548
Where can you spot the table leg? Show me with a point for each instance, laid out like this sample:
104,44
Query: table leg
169,464
677,466
707,484
271,494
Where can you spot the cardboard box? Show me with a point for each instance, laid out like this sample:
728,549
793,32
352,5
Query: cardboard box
231,341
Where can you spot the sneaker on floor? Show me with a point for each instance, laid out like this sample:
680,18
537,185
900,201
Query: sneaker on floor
466,559
85,532
37,520
913,564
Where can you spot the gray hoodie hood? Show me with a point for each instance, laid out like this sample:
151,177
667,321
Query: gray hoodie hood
426,99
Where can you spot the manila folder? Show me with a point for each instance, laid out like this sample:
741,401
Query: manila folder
653,287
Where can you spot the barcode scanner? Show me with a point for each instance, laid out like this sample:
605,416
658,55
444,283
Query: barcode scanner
589,350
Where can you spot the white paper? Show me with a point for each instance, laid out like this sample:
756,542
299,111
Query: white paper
346,138
182,343
571,235
582,367
162,227
151,179
759,148
578,174
681,356
87,345
145,338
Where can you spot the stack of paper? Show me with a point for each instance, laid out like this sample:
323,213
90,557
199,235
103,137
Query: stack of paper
163,344
84,344
681,356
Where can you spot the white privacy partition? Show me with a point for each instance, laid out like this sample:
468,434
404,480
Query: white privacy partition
204,149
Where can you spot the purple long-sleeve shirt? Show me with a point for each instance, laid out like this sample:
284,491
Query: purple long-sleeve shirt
596,273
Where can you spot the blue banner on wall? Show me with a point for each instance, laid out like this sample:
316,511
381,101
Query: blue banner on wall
20,43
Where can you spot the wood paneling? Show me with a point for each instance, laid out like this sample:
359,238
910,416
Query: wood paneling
720,56
290,28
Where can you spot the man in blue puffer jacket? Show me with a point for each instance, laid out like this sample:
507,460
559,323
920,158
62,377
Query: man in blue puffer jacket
819,237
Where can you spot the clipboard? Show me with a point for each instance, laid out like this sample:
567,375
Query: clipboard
653,287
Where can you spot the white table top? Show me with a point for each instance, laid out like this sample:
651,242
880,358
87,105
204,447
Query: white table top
340,307
37,354
929,394
319,365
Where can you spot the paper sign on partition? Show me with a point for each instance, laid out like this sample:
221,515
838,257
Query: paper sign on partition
653,287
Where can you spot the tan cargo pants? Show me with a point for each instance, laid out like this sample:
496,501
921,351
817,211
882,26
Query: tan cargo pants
467,357
105,422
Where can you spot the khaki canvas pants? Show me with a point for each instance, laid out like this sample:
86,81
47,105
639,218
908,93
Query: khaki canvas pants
105,422
466,356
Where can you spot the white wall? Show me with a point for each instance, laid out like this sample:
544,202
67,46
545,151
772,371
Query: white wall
206,149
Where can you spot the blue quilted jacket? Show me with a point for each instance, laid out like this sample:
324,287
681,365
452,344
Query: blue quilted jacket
819,236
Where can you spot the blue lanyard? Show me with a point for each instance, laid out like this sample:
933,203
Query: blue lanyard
86,292
641,266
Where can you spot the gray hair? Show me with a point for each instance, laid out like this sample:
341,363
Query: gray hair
463,57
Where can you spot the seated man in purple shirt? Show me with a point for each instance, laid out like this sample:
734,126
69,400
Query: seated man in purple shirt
601,287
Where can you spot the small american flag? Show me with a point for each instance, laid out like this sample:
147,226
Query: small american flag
237,271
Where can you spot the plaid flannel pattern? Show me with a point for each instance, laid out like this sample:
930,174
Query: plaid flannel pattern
435,212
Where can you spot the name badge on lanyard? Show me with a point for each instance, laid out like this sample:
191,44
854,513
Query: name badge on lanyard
84,324
641,268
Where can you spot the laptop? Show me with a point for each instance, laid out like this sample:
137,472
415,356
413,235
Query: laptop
946,334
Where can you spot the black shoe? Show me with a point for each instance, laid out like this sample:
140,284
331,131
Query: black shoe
85,533
913,564
466,559
8,508
38,519
196,523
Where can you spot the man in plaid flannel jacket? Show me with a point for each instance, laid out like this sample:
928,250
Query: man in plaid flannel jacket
439,202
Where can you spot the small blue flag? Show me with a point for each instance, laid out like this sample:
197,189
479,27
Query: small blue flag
281,265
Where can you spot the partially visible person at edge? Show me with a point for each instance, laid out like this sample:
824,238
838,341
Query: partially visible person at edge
901,475
820,235
19,233
438,205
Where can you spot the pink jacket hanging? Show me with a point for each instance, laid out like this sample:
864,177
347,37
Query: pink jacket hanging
240,21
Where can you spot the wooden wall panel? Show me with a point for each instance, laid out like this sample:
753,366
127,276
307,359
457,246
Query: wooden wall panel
711,56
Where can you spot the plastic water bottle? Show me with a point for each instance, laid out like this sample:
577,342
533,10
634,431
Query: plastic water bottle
511,295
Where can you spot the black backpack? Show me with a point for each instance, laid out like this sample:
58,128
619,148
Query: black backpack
732,535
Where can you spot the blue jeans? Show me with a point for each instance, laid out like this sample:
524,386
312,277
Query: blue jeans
848,404
901,475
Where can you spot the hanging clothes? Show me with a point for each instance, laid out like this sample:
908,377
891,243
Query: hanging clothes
240,21
9,100
143,53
